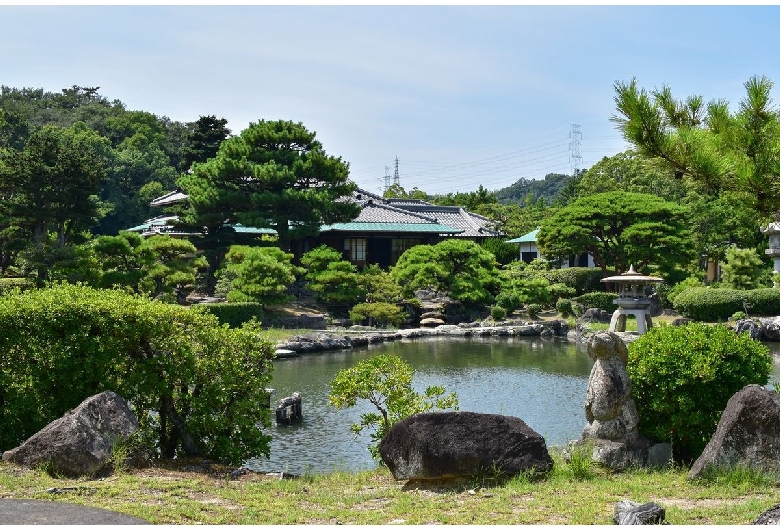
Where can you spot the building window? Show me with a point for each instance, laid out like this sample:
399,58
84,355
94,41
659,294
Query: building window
528,257
356,249
402,245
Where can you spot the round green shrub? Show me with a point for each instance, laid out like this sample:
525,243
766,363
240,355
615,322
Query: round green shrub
379,313
739,315
564,307
765,301
605,301
193,385
682,377
234,314
497,312
581,279
533,310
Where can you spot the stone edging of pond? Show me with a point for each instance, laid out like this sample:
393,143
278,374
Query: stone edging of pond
361,336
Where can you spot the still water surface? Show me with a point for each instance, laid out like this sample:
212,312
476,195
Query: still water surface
543,382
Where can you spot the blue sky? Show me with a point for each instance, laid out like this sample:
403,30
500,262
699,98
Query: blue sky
462,95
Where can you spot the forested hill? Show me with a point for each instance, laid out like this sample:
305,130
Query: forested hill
548,189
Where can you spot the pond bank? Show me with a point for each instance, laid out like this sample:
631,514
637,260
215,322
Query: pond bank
356,336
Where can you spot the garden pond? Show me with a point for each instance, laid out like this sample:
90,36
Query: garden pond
541,381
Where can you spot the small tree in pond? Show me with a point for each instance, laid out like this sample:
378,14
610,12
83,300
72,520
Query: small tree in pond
385,381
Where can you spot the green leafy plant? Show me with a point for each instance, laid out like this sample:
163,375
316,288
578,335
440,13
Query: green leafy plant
336,281
497,312
743,269
378,313
463,269
259,274
193,385
385,381
564,307
682,377
605,301
533,310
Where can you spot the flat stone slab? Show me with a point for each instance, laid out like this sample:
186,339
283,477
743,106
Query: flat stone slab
24,511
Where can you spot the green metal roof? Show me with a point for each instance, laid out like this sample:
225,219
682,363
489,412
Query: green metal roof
530,237
241,229
390,227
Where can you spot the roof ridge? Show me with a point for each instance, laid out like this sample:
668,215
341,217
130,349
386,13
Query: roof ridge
405,211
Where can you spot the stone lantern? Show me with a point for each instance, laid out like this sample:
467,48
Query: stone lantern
773,232
632,300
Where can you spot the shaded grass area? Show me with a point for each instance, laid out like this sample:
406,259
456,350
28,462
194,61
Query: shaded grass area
575,492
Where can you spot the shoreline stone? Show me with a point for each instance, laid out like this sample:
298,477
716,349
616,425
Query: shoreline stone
330,340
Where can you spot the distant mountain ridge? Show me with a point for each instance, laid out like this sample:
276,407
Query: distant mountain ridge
548,189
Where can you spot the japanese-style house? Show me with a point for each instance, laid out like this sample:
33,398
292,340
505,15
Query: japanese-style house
381,232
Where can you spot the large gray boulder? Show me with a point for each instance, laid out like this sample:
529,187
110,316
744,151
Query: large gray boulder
628,512
748,434
436,445
770,328
80,443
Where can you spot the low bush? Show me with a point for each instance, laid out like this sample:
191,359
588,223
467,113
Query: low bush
763,302
711,304
682,377
581,279
601,300
234,314
533,310
194,385
497,312
564,307
378,313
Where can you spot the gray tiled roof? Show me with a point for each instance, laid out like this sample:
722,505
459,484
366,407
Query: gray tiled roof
473,225
377,209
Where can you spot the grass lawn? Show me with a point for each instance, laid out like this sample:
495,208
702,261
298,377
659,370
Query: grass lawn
182,492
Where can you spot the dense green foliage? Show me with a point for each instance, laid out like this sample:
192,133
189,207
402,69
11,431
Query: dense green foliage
504,253
335,280
744,270
50,193
234,314
463,269
259,274
682,377
155,266
546,189
715,149
601,300
519,291
378,314
385,381
581,279
632,173
194,385
292,186
619,229
711,304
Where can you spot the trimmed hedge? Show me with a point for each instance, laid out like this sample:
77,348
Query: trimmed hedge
9,284
582,279
600,300
234,314
710,304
